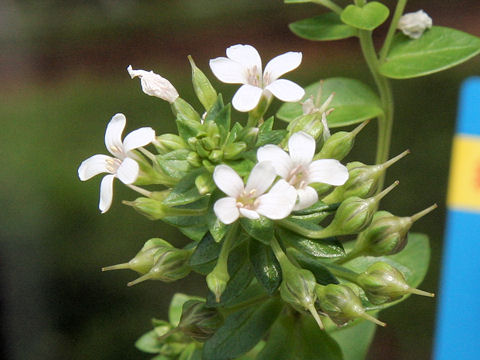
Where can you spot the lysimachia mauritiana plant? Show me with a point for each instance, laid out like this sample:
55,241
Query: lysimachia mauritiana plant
296,255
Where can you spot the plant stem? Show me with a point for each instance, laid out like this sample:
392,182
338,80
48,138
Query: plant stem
226,247
350,256
391,30
341,272
329,5
312,234
244,304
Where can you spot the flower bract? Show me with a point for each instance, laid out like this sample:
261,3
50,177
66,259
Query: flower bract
121,165
250,200
298,169
243,65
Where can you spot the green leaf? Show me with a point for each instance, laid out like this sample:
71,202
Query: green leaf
190,221
242,331
368,17
438,49
353,102
272,137
174,163
323,27
191,352
265,266
324,248
321,273
412,262
185,192
205,254
299,338
188,128
149,343
260,229
176,305
354,340
195,233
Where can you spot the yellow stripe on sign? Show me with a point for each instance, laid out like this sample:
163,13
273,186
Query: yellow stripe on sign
464,186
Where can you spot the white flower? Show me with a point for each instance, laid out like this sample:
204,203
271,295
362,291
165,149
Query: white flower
154,85
244,66
250,201
121,166
414,24
299,170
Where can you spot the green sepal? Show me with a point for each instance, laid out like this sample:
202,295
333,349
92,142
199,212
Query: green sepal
321,273
242,331
368,17
235,132
438,49
323,28
298,338
324,248
202,86
184,111
266,134
191,352
260,229
176,305
265,266
353,102
221,115
186,191
149,343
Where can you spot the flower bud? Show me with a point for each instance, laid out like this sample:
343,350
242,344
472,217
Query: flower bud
166,143
362,180
216,156
339,144
217,281
194,160
154,85
199,321
387,234
354,214
152,209
144,260
309,123
202,86
170,264
234,150
204,183
208,143
383,283
414,24
341,304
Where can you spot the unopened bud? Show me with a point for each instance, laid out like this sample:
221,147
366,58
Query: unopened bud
202,86
144,260
341,304
194,160
204,183
216,156
170,264
153,209
234,150
199,321
339,144
166,143
383,283
154,85
217,281
309,123
414,24
355,214
387,234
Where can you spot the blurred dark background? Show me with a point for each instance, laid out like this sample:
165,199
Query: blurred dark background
62,77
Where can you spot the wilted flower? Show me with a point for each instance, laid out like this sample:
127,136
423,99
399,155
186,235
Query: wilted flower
299,170
250,201
154,85
121,166
243,65
415,23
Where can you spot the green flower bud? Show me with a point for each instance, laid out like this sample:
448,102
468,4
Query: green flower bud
339,144
208,165
170,264
217,281
362,180
341,304
204,183
202,86
354,214
201,151
183,110
387,234
234,151
144,260
166,143
213,131
208,143
194,160
383,283
199,321
308,123
216,156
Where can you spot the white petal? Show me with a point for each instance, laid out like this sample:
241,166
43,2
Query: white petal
228,180
251,214
127,172
286,90
246,55
278,202
281,64
260,178
138,138
328,171
246,98
306,198
113,135
92,166
106,193
301,147
280,160
228,71
155,85
226,210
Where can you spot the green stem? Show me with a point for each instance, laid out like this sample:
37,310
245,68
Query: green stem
350,256
329,5
392,29
342,272
226,247
312,234
255,116
244,304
